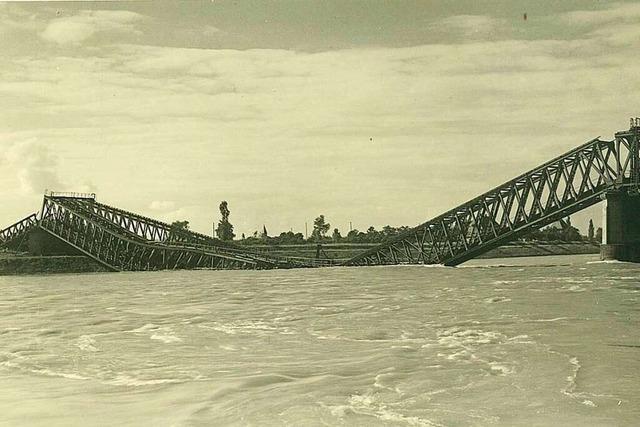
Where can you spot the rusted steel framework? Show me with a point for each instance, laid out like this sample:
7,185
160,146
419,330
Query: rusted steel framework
556,189
15,236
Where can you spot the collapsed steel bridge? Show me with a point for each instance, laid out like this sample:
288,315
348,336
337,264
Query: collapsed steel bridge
122,240
562,186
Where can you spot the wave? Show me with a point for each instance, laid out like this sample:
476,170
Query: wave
258,327
145,328
367,404
500,369
409,266
14,364
609,261
555,319
86,343
159,333
570,389
127,380
167,338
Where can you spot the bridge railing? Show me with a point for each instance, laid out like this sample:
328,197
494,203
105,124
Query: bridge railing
70,194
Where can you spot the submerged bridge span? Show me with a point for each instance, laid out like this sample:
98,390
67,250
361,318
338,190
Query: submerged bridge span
596,171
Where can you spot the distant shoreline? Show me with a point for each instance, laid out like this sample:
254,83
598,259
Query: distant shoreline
345,251
12,265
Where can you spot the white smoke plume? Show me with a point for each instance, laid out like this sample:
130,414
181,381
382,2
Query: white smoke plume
35,165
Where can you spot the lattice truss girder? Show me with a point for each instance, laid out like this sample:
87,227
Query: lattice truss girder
144,229
118,251
554,190
136,226
15,235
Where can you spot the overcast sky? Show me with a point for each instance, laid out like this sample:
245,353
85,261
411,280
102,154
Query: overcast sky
372,112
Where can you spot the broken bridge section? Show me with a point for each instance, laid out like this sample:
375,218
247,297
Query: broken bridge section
595,171
567,184
122,240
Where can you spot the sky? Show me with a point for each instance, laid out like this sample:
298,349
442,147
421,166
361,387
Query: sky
369,112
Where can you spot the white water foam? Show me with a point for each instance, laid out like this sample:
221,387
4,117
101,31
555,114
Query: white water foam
159,333
367,404
458,337
147,327
41,371
248,327
50,373
379,382
86,343
501,369
166,338
608,261
555,319
127,380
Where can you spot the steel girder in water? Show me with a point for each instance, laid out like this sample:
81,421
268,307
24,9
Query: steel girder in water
121,251
145,229
556,189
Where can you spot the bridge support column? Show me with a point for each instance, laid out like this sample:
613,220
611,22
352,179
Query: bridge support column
621,227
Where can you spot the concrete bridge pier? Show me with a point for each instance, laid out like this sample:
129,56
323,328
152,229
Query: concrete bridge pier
621,227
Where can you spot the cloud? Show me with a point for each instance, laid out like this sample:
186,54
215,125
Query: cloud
76,29
472,27
162,205
14,19
166,210
617,12
35,166
195,34
287,135
87,186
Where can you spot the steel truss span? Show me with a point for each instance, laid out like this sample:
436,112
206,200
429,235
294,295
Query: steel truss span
15,236
558,188
144,229
122,240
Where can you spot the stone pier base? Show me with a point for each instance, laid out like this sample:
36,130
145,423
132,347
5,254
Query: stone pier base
621,227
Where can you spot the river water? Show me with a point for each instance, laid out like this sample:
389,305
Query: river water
521,342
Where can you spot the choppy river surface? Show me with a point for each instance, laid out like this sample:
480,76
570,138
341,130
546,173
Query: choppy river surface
540,342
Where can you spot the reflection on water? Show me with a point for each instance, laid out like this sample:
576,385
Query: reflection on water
545,341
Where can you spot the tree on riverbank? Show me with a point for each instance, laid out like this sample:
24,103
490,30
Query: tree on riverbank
374,236
179,226
320,228
225,229
561,231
